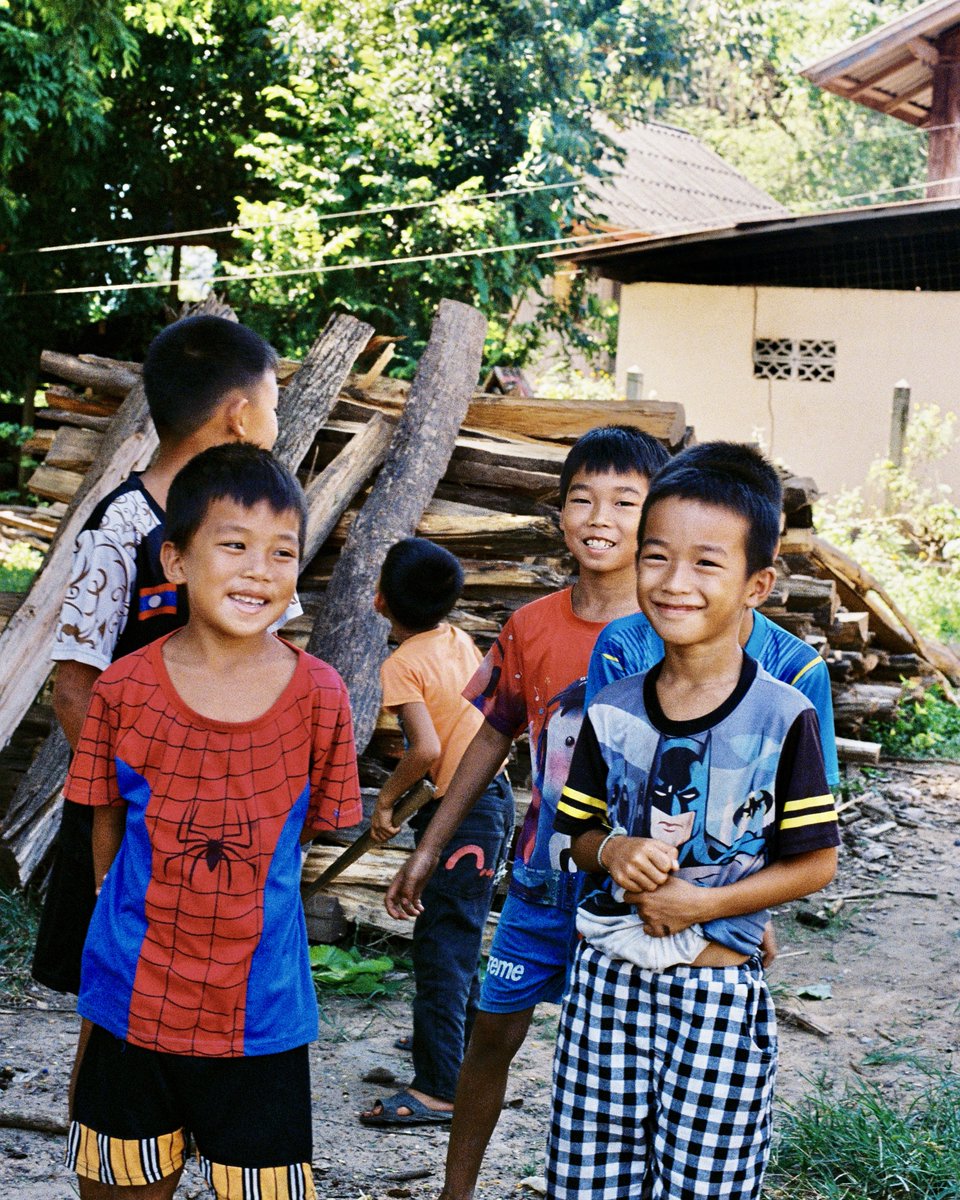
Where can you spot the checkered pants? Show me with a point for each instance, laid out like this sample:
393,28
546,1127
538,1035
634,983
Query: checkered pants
663,1083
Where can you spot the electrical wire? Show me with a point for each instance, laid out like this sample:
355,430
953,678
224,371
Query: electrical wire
383,209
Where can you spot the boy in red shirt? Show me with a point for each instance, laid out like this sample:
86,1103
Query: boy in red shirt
208,756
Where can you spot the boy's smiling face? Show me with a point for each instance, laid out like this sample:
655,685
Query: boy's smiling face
600,517
692,580
240,567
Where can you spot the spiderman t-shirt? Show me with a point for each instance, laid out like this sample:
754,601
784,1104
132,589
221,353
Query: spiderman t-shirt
198,943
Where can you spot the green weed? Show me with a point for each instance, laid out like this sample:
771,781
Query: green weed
19,916
924,727
349,973
18,565
862,1146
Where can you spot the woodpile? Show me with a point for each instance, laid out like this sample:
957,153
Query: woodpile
381,458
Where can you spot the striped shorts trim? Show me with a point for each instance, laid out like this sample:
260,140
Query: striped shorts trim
124,1162
292,1182
663,1083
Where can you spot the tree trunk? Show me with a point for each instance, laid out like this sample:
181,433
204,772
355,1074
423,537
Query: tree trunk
308,400
348,633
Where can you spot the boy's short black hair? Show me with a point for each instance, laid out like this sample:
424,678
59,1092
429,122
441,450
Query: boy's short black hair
618,448
193,364
730,475
420,582
235,471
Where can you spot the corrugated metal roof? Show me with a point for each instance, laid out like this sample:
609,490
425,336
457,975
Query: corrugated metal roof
890,69
911,245
670,180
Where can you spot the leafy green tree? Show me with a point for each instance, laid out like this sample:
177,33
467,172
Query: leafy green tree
742,92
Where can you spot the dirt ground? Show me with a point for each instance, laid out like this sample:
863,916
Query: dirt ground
886,957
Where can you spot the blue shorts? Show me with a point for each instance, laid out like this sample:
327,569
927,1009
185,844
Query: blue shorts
530,957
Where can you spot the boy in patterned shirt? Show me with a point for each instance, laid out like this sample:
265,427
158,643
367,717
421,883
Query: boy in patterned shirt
532,681
207,381
208,756
699,787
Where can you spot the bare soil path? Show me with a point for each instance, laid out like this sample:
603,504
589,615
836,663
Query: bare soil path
887,958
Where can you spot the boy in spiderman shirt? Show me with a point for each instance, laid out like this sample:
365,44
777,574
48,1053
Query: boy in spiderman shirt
208,757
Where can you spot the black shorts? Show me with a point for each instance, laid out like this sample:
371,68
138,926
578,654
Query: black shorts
68,906
250,1119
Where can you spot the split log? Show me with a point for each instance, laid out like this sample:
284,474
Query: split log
73,449
24,644
348,633
308,400
78,419
850,750
105,376
33,818
863,702
332,490
815,596
465,530
850,630
52,483
67,400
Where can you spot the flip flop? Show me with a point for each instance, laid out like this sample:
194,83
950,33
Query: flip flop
404,1042
389,1115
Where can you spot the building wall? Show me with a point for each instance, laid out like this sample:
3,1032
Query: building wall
694,344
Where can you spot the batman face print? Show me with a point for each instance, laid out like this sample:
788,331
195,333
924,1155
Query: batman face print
678,791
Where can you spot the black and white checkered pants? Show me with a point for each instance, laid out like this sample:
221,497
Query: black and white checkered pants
663,1082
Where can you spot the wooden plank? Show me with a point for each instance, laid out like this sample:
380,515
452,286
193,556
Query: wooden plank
54,484
105,376
58,398
73,449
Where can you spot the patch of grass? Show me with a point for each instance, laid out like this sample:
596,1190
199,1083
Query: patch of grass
18,565
863,1146
924,727
351,973
19,917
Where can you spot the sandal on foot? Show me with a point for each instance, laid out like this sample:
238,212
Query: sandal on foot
405,1042
389,1114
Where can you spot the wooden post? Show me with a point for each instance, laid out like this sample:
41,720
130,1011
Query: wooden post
347,632
943,150
899,417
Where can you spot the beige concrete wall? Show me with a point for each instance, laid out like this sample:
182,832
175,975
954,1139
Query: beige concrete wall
695,345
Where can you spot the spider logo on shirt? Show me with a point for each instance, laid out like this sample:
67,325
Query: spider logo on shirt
201,846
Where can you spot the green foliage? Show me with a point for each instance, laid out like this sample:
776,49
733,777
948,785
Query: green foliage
927,726
349,973
19,563
742,92
903,527
19,916
862,1146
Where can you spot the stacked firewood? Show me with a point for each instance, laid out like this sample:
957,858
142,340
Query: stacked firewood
488,473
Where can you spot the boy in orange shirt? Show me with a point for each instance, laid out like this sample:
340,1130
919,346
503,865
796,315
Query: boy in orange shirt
422,682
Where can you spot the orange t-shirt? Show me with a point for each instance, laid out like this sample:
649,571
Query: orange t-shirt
433,668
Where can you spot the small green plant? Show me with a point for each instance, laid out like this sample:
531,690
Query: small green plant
863,1146
923,727
18,565
19,916
349,973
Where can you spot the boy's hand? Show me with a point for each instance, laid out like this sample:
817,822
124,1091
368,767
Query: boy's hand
382,828
403,895
639,864
672,907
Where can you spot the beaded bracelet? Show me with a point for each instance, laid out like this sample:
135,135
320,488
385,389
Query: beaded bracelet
616,831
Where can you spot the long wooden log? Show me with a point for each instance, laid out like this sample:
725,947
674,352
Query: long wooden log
329,494
348,633
104,376
307,402
25,642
